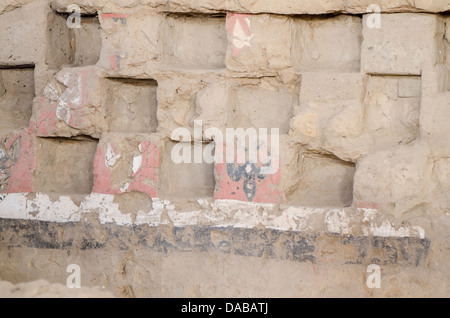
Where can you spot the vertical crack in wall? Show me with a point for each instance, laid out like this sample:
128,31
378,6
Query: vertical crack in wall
447,46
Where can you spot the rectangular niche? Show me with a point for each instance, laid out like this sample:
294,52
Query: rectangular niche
131,105
323,181
327,43
186,180
194,41
16,97
392,109
256,107
65,166
88,41
72,47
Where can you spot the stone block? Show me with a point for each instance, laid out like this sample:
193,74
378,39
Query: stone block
258,43
126,163
327,44
71,105
405,44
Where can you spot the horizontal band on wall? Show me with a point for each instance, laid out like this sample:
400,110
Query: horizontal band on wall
203,212
256,242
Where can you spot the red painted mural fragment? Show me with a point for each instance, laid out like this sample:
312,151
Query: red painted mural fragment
246,182
144,171
21,162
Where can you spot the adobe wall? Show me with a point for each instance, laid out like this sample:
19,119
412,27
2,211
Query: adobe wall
361,101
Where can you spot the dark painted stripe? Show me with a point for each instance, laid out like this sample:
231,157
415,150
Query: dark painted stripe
266,243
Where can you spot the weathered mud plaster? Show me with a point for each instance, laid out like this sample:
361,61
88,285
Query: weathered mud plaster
64,166
362,174
131,105
208,212
126,163
242,76
265,243
16,97
71,105
17,162
72,46
43,289
228,228
248,6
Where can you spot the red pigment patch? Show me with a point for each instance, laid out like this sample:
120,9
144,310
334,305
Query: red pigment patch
146,176
114,15
102,174
367,205
234,183
82,84
47,122
76,96
266,189
234,20
21,172
113,63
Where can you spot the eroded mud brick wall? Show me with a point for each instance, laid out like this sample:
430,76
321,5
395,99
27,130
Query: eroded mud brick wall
358,90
